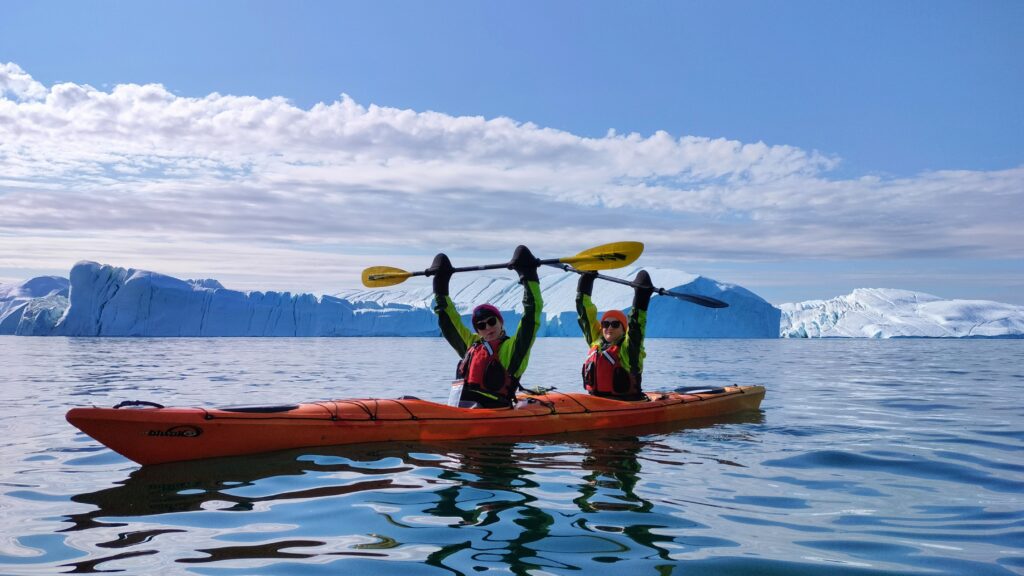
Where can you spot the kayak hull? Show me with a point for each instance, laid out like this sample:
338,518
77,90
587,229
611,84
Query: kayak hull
159,435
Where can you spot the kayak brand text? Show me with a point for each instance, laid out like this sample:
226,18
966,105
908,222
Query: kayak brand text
178,432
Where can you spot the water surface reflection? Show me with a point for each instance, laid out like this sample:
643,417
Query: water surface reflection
559,504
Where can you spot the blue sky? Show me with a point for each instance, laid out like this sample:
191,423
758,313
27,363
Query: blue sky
801,149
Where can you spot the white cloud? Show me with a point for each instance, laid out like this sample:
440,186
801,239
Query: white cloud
146,167
15,81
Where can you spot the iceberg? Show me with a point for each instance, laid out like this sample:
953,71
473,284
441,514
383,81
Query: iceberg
109,301
33,307
890,313
104,300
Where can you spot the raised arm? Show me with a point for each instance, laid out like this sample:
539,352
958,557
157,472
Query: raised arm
586,311
515,353
632,354
448,319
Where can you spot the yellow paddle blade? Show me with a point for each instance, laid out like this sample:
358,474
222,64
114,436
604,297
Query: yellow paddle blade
380,276
606,256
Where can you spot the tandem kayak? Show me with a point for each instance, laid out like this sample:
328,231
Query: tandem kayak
148,433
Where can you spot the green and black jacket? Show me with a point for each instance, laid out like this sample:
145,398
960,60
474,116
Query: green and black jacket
514,353
631,349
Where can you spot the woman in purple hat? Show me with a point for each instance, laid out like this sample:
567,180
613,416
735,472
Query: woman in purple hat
492,361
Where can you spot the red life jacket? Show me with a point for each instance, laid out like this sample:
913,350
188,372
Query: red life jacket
603,374
482,371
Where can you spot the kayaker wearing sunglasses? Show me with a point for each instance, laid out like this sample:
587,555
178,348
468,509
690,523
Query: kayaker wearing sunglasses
615,362
492,362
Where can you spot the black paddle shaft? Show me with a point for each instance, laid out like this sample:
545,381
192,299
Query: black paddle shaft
557,262
705,301
504,266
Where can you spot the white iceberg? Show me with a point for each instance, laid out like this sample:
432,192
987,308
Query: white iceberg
889,313
101,300
33,307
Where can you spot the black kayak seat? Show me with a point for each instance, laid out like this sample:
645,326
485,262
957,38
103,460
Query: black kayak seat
260,409
137,404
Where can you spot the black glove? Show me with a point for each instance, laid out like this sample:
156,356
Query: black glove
441,270
642,293
525,263
586,283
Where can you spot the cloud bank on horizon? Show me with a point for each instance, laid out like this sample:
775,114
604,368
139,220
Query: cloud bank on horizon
257,188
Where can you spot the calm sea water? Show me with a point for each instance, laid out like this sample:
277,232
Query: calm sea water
868,457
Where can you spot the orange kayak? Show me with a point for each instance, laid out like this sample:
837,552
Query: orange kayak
155,435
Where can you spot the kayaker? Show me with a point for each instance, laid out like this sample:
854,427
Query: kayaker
492,362
615,363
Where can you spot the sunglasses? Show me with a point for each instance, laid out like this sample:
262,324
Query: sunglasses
481,325
611,324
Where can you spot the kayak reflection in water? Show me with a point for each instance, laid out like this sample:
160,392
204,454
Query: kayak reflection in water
492,362
615,363
517,497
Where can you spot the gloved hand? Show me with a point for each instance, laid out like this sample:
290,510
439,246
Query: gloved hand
642,293
525,263
586,283
441,270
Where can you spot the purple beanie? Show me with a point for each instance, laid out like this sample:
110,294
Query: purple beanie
486,311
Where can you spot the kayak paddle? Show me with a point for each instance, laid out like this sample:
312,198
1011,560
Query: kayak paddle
604,257
705,301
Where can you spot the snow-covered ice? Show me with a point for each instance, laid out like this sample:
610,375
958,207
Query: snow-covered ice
32,307
889,313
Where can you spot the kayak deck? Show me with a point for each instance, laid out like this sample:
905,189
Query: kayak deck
159,435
